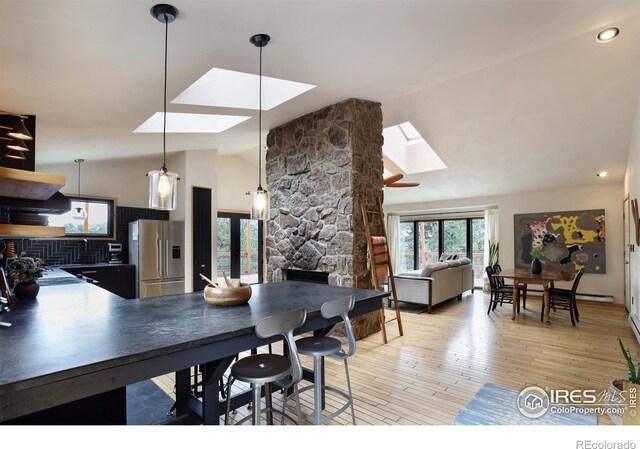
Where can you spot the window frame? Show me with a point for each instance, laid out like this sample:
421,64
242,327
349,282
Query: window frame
440,221
111,223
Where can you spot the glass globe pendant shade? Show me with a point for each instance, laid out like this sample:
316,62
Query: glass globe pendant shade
260,204
79,214
163,186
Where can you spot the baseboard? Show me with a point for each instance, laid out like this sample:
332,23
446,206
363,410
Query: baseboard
581,296
635,325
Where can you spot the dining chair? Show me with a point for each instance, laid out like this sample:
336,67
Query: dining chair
321,346
565,299
499,293
263,370
501,283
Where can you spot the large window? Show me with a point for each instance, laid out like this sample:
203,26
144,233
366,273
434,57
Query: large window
422,242
455,237
88,218
428,238
407,250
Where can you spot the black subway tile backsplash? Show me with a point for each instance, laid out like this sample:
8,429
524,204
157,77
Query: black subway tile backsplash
61,252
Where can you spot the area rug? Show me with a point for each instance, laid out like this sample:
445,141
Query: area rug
496,405
406,307
147,404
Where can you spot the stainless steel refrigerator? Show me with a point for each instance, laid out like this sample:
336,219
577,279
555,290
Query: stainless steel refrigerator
156,248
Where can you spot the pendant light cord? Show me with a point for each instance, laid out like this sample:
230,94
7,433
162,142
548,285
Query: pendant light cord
260,127
164,125
79,177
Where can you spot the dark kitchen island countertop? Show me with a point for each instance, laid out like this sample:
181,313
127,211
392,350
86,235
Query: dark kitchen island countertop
75,334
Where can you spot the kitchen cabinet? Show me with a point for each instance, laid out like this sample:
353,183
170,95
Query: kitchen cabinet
117,279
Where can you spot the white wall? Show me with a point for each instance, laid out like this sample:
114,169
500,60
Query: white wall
124,180
607,196
236,177
632,189
196,169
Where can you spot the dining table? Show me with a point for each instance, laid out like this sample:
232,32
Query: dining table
78,346
524,276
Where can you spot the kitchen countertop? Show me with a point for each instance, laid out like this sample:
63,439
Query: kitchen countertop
68,331
90,265
74,342
56,276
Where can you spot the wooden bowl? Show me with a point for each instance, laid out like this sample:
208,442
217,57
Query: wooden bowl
232,296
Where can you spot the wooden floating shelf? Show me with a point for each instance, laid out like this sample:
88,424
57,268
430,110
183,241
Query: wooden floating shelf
29,185
31,231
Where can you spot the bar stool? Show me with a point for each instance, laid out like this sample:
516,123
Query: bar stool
320,347
264,369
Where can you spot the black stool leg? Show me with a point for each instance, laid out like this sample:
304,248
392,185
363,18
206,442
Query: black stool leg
267,391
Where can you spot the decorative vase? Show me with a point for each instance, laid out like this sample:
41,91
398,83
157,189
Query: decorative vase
26,290
536,266
614,398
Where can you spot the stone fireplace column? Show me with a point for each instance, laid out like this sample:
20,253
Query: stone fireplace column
316,167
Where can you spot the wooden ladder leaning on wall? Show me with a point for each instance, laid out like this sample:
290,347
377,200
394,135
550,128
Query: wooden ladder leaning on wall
380,260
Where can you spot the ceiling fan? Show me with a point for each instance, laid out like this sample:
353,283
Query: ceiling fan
392,181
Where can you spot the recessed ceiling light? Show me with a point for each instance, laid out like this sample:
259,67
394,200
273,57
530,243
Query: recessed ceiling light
178,122
230,89
608,34
602,174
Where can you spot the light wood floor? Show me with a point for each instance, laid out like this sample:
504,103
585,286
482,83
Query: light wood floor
429,374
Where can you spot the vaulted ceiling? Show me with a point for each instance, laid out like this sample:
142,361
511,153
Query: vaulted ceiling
511,95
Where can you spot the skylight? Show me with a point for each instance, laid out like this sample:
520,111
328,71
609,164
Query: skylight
407,149
178,122
230,89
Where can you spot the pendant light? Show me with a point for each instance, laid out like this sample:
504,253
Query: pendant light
20,131
79,213
17,149
163,183
260,198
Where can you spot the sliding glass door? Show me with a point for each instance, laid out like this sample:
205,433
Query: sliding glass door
239,247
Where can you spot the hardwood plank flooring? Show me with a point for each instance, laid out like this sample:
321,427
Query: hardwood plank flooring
429,374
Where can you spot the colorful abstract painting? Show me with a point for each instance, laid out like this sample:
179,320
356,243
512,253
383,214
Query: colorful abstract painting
565,241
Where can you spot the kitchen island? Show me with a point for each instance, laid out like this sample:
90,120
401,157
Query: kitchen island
78,341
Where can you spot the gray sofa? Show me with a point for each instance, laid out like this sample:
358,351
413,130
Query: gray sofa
436,283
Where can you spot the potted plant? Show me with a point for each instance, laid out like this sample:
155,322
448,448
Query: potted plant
631,388
536,266
494,258
24,274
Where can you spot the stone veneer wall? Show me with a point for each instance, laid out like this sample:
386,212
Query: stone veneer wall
316,167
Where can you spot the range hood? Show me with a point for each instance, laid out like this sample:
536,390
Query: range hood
57,204
33,192
29,191
29,185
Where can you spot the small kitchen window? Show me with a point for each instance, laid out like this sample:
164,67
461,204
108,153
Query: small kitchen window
89,218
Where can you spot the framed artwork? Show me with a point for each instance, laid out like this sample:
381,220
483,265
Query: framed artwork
565,241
